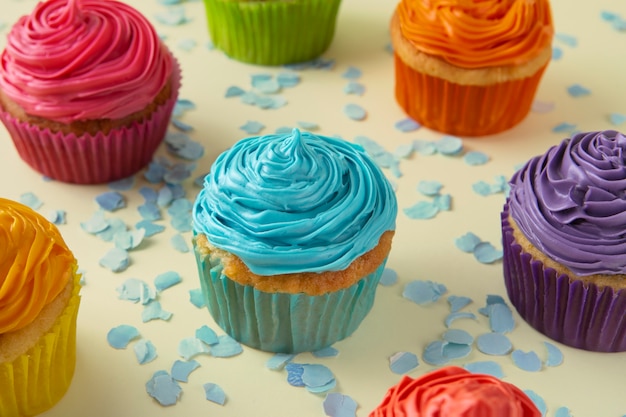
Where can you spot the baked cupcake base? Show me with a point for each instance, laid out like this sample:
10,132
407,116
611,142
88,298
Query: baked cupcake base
568,310
283,322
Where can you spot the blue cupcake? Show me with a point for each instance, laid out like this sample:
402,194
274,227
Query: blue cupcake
291,235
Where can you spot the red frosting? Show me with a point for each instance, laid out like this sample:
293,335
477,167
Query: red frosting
455,392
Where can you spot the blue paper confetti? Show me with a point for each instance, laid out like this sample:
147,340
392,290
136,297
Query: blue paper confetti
452,317
495,344
485,367
123,184
403,362
190,347
566,39
429,188
422,210
116,260
423,292
467,242
179,243
31,200
214,393
145,351
308,125
327,352
557,53
577,90
186,44
166,280
119,337
252,127
475,158
355,88
458,336
355,112
234,91
562,412
352,73
539,402
526,361
136,290
111,201
449,145
617,119
129,239
149,211
433,353
181,145
163,388
501,318
226,347
555,356
279,361
317,378
339,405
424,147
407,125
288,79
182,369
294,374
457,303
486,253
388,278
154,311
197,298
564,128
57,217
207,335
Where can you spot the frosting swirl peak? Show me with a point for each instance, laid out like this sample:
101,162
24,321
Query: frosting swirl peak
35,265
295,203
570,203
477,33
82,59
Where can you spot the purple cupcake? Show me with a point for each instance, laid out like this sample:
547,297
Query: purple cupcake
564,239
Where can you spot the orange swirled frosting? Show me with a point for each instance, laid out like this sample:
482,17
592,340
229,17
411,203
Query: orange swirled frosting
477,33
35,265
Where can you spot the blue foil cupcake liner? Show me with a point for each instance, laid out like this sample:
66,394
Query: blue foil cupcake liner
569,311
281,322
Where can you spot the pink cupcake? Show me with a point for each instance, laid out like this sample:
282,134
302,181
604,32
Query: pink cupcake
86,90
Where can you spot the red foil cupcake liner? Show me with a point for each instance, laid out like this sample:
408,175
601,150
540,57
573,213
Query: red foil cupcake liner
464,110
580,315
92,159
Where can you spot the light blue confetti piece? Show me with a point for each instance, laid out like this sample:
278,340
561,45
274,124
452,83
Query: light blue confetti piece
388,278
557,53
226,347
180,206
429,188
214,393
494,299
182,222
259,78
449,145
111,201
294,374
129,239
283,130
277,102
173,16
190,347
182,369
372,147
316,375
457,303
234,91
403,362
443,202
422,210
555,356
136,290
482,188
119,337
339,405
475,158
182,105
96,223
123,184
352,73
149,194
322,388
268,86
166,280
486,253
199,181
178,173
182,126
501,318
542,106
617,119
116,260
452,317
537,400
197,298
456,351
355,112
495,344
252,127
57,217
577,90
145,351
424,147
182,146
163,388
433,353
207,335
566,39
31,200
264,102
149,228
165,197
485,367
355,88
288,79
562,412
308,125
403,151
458,336
407,125
154,311
423,292
526,361
278,361
327,352
155,172
179,243
249,97
468,242
114,226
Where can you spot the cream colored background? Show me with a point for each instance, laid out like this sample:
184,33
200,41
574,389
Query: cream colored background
109,382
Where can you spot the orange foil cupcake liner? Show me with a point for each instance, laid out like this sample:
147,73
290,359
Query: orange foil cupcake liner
463,110
36,380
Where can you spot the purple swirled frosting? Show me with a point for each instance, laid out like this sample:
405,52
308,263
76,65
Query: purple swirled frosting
570,203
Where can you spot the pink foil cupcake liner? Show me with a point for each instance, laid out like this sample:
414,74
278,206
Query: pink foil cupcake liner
92,159
583,316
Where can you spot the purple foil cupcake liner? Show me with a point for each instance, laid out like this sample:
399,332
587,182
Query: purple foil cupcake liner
580,315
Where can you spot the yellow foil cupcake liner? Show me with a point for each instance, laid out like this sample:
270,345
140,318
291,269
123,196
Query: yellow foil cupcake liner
40,377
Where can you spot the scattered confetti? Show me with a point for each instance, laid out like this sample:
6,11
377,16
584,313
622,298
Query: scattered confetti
129,239
449,146
317,378
555,356
539,402
179,243
501,318
577,90
458,336
186,44
207,335
527,361
119,337
475,158
355,112
173,16
457,303
57,217
123,184
154,311
197,298
485,367
308,125
557,53
145,351
433,353
163,388
136,290
352,73
116,260
166,280
111,201
214,393
467,242
486,253
252,127
389,277
566,39
452,317
181,145
278,361
327,352
562,412
423,292
339,405
354,88
564,128
190,347
617,119
288,79
182,369
294,374
226,347
234,91
429,188
422,210
403,362
31,200
495,344
407,125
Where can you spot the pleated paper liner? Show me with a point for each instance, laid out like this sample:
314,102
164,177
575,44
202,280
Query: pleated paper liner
463,110
92,159
583,316
40,377
280,322
272,32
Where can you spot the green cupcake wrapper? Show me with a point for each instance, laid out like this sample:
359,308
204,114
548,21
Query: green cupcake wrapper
272,32
281,322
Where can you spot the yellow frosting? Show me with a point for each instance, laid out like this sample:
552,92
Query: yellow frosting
478,33
35,264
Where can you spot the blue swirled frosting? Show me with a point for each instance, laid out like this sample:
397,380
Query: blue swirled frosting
295,203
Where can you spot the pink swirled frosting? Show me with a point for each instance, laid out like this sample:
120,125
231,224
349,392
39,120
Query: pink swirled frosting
570,203
453,391
82,60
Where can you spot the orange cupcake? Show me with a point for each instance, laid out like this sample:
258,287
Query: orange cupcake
472,67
